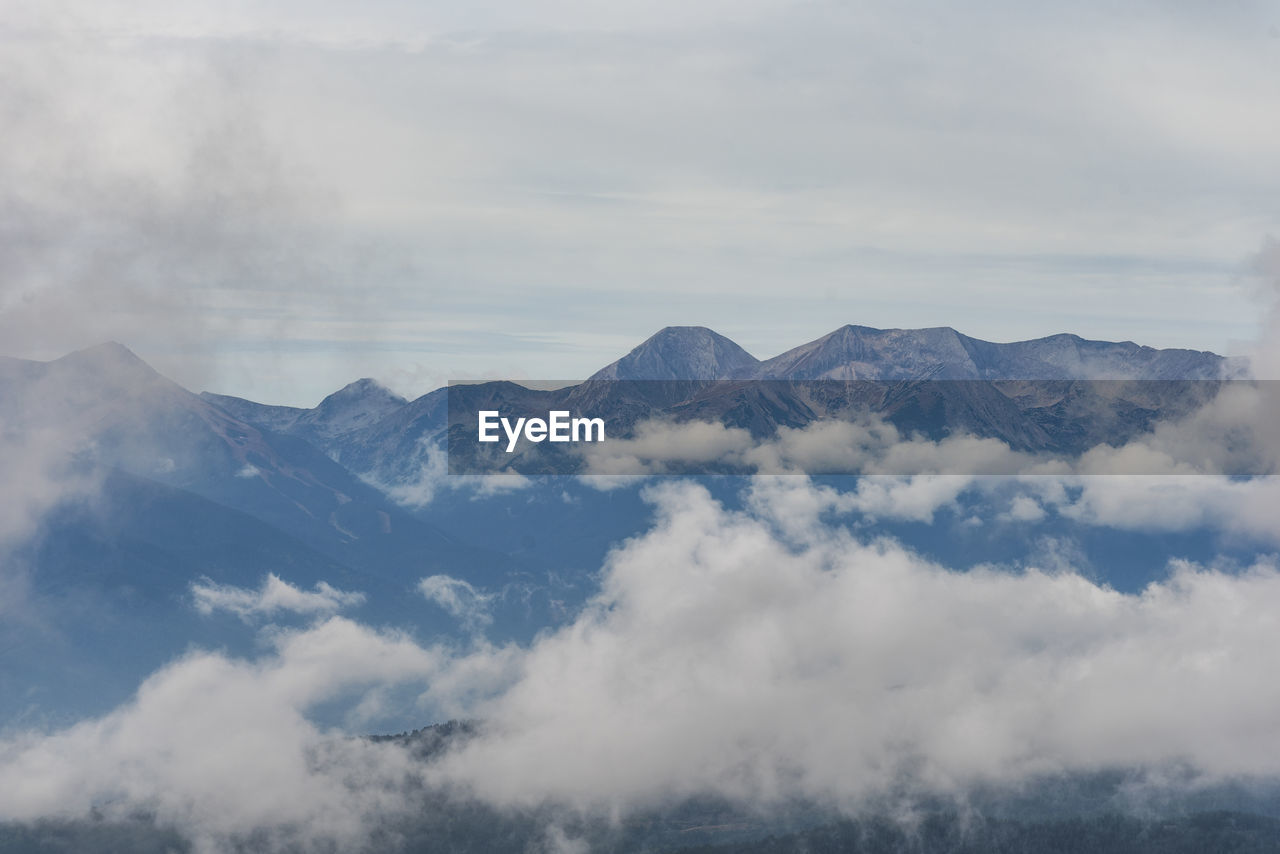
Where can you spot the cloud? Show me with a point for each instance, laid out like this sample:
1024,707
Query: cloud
1239,507
760,654
271,598
42,447
874,446
798,507
146,200
38,472
1184,474
870,445
222,747
418,487
719,657
38,475
1264,275
762,162
1175,503
459,598
1024,508
1230,434
658,446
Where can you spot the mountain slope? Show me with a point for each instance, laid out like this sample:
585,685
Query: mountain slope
111,410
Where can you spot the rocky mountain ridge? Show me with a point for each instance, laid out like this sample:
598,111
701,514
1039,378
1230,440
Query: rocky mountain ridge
1027,393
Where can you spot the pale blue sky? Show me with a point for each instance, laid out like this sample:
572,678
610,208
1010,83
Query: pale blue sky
273,199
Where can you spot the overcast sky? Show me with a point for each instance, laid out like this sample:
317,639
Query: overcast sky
273,199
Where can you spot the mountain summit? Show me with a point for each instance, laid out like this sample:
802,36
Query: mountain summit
860,352
353,406
682,353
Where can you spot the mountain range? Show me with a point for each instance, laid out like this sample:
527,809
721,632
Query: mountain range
1042,394
864,353
309,471
189,486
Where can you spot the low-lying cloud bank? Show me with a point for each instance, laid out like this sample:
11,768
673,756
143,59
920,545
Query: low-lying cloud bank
867,446
1234,433
762,655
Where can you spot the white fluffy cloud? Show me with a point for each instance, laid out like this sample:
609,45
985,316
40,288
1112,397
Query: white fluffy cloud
222,747
1174,503
760,654
797,506
725,655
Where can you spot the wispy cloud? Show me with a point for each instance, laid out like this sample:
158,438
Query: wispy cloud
273,597
459,598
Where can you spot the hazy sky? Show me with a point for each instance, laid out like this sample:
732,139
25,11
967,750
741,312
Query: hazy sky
273,199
